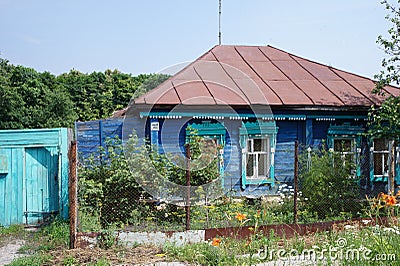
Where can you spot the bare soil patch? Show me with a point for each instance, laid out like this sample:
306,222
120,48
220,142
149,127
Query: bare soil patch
140,255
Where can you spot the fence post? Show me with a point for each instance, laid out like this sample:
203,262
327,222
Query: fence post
296,176
187,207
72,192
391,166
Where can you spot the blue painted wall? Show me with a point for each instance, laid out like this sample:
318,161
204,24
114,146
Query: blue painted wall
92,134
33,175
309,131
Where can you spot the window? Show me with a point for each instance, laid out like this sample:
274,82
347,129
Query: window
257,140
257,158
380,154
213,136
346,139
346,147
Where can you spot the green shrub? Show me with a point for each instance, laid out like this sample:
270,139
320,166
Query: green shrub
107,187
329,185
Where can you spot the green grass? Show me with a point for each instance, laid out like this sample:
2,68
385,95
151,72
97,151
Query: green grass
50,237
33,260
12,231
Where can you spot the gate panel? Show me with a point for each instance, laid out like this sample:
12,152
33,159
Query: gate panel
41,183
11,200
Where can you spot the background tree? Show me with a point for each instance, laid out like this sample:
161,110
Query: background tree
385,119
29,99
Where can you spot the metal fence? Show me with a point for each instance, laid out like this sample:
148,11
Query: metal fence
327,185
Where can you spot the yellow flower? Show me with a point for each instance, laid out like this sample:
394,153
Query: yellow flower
216,242
240,216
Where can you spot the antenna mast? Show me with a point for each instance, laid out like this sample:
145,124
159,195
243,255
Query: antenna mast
219,24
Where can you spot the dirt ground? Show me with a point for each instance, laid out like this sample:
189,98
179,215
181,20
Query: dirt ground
140,255
10,251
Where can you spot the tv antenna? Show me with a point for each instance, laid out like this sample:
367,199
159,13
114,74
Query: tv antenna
219,23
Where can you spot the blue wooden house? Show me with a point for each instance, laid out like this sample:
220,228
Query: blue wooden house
256,101
33,175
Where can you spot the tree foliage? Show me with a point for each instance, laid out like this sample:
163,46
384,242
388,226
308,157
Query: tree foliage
385,120
30,99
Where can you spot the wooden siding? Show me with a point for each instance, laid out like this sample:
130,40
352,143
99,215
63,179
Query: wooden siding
92,134
232,156
288,133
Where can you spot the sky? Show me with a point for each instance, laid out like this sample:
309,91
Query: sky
148,36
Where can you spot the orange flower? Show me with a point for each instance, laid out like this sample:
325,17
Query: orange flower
216,242
240,216
390,200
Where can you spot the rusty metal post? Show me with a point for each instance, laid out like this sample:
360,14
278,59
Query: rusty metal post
72,191
187,207
296,177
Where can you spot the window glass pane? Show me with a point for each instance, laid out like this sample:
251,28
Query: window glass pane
381,145
380,163
257,145
265,145
249,145
250,165
381,153
342,145
262,165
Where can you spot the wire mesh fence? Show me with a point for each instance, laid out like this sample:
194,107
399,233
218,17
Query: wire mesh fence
332,185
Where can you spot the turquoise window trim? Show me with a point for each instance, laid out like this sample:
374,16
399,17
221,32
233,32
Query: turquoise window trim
250,130
207,129
212,130
351,132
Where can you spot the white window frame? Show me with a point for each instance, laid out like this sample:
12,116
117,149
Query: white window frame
353,150
250,152
384,160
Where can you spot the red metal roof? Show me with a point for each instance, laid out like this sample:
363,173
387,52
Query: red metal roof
248,75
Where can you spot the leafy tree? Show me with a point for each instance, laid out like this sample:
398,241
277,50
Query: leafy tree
29,99
385,119
98,95
152,81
